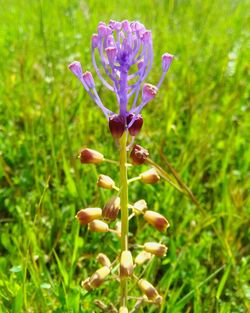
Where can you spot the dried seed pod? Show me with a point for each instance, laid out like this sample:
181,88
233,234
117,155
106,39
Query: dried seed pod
86,284
140,207
105,182
148,289
157,220
155,248
123,309
91,156
150,177
85,216
126,264
138,155
98,226
111,209
99,276
103,259
143,257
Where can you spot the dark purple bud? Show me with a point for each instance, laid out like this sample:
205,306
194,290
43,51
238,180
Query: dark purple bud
166,61
138,155
117,125
135,128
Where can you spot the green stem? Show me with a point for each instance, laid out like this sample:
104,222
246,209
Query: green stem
124,210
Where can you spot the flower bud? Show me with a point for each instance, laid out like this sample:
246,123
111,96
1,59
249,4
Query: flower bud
116,125
150,176
98,226
140,207
135,128
86,216
88,80
111,209
95,40
103,259
111,54
149,91
166,61
118,228
143,257
157,220
155,248
86,284
105,182
76,68
126,264
138,155
91,156
148,289
123,309
99,276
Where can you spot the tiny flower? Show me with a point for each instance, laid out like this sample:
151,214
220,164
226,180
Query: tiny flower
135,128
149,91
91,156
143,257
103,259
150,177
86,216
86,284
111,54
76,68
166,61
89,80
155,248
123,309
157,220
140,207
95,41
116,125
148,289
105,182
126,264
138,155
99,276
111,209
98,226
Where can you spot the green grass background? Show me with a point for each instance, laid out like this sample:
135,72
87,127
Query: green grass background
200,120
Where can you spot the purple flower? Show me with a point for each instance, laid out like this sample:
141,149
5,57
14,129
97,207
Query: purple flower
123,47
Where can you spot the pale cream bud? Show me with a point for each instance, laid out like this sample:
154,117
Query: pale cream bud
86,284
150,177
148,289
99,276
85,216
103,259
155,248
157,220
111,209
123,309
91,156
126,264
143,257
158,300
98,226
139,207
118,228
105,182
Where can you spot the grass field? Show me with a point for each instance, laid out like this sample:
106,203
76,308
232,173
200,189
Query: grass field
200,121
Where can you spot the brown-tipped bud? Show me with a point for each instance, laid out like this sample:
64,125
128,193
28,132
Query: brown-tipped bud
86,216
105,182
111,209
155,248
103,259
143,257
138,155
99,276
117,125
148,289
98,226
135,128
150,176
157,220
140,207
91,156
126,264
123,309
86,284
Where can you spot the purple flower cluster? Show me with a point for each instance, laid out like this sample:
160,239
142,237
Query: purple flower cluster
126,55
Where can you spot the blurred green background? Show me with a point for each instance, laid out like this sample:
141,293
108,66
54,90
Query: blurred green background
200,120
